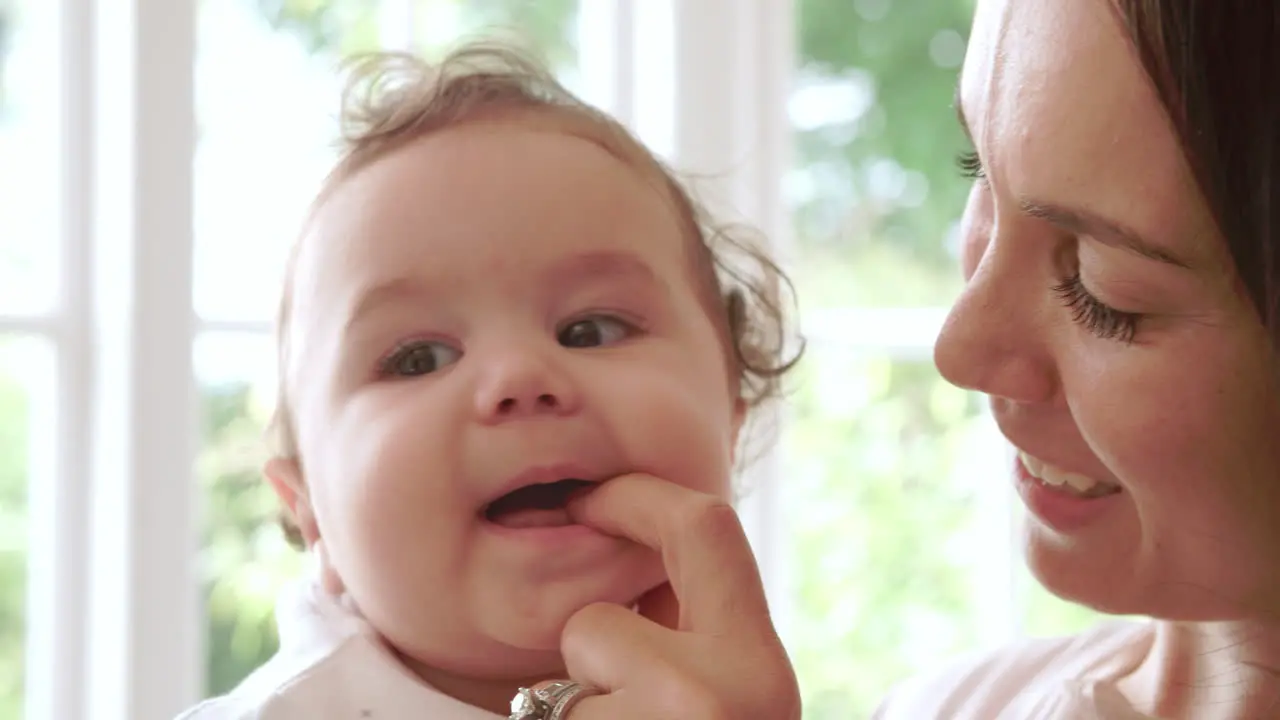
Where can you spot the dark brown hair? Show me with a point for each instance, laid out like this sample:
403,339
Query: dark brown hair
1216,66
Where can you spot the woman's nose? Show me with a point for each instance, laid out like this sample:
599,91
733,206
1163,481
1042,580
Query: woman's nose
993,340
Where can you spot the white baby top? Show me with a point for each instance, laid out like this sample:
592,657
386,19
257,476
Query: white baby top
1071,678
331,664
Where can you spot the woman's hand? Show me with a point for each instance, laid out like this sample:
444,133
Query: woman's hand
702,647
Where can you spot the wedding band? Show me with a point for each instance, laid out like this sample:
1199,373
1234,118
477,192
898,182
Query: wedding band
549,700
571,697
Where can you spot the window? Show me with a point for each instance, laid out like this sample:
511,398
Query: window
139,552
24,429
29,292
902,527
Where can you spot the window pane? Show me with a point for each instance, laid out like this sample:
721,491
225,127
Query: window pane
874,192
246,560
266,99
23,389
28,140
892,518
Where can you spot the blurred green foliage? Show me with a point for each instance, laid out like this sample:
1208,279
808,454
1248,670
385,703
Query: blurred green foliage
14,443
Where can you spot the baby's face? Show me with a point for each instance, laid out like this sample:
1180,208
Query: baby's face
493,306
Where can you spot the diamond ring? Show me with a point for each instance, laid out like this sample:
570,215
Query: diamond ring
549,700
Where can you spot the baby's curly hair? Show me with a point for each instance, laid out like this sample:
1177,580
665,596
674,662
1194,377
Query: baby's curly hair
393,98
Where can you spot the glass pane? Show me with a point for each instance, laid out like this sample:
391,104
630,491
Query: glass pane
892,525
23,380
246,560
266,97
28,140
873,190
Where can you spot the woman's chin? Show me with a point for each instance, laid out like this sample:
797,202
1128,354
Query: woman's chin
1076,574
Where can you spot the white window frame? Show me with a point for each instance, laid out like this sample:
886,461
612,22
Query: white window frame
113,614
115,624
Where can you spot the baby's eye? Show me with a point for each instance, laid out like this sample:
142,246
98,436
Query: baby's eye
419,358
593,332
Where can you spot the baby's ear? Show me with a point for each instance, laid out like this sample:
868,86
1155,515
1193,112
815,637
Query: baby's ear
738,419
285,478
739,416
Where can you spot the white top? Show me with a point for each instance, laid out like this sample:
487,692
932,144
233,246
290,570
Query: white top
331,664
1071,678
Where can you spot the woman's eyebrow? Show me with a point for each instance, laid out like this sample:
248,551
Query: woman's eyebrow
1080,222
1108,232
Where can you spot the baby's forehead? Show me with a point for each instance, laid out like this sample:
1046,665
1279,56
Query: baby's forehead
496,122
358,219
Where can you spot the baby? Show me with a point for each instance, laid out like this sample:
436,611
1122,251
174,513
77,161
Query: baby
499,298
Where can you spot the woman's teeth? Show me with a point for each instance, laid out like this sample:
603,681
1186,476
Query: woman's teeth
1069,482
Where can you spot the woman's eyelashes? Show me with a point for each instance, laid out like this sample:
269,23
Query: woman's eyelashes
1086,309
970,166
1094,315
423,357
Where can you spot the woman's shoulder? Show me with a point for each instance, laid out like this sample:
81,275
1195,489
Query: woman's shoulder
985,684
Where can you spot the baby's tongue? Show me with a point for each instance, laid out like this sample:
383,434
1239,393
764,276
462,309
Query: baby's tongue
534,518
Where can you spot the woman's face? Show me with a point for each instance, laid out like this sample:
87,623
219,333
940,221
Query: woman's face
1103,320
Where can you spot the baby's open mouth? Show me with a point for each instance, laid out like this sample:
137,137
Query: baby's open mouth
535,506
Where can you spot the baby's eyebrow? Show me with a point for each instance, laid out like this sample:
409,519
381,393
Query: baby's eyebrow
602,265
599,266
394,290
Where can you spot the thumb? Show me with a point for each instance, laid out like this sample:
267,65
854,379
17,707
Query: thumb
603,644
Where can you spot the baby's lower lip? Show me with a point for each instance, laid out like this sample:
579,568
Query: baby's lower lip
547,541
531,518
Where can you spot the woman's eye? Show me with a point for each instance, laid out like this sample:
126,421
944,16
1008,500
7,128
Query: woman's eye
1094,315
593,332
970,166
419,358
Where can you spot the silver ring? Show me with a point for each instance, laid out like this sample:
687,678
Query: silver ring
571,697
549,700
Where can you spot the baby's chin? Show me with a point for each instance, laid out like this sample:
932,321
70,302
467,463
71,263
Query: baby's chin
538,626
509,645
513,630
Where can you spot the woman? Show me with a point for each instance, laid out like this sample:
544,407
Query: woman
1121,314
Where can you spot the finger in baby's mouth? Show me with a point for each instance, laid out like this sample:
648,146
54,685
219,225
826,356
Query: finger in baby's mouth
538,504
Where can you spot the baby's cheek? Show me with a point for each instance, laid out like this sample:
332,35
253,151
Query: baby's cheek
681,437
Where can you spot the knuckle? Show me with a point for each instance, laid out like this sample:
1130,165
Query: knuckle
709,516
694,700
